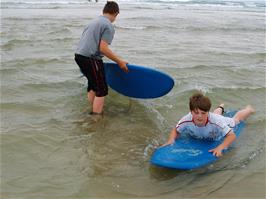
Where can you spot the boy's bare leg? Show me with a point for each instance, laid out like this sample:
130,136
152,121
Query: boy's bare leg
97,109
219,110
91,96
97,106
244,113
97,103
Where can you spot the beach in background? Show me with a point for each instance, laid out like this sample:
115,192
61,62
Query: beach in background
51,148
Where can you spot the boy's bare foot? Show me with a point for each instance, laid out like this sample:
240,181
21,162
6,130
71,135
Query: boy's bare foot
250,108
96,116
219,110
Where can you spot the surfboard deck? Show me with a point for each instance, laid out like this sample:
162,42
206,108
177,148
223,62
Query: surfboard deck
189,153
139,82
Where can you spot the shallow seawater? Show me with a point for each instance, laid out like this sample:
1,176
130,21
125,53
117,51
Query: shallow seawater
52,148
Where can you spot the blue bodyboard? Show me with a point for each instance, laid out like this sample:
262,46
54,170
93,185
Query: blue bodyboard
139,82
188,152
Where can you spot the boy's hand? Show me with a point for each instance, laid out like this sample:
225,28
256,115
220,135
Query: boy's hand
168,143
230,137
123,65
217,151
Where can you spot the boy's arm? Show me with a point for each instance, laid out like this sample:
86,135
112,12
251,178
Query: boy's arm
104,48
173,135
228,140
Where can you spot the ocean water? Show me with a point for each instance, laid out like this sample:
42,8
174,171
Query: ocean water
51,148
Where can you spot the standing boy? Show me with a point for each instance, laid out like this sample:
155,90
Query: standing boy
201,123
93,45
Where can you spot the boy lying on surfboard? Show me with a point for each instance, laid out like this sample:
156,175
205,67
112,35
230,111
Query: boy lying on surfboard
202,124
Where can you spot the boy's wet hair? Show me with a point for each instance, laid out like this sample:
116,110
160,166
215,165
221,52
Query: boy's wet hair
199,101
111,7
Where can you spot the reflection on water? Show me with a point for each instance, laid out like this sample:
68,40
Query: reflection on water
161,173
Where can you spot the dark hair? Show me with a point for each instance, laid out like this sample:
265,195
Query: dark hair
111,7
199,101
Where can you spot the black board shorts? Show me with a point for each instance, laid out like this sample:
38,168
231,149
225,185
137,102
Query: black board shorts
93,70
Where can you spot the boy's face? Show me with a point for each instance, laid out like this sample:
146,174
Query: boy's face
113,17
199,117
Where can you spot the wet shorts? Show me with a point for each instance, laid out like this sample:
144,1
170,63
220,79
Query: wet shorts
93,70
230,122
